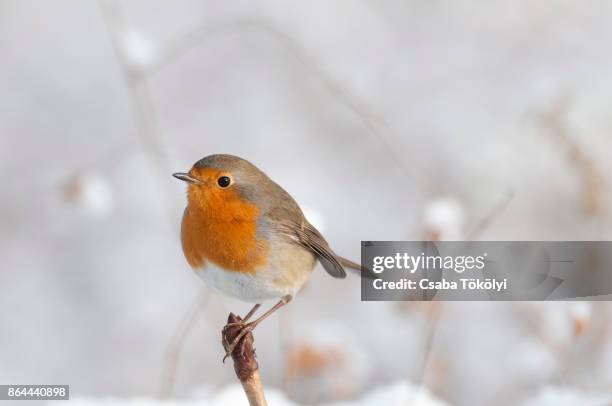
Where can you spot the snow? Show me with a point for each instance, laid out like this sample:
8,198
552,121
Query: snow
444,218
396,394
559,396
91,191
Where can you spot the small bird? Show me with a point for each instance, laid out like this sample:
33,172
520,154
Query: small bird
246,236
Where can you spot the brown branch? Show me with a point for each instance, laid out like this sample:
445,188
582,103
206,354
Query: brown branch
245,364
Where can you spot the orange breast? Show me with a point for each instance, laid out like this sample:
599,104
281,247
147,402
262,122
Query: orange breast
221,228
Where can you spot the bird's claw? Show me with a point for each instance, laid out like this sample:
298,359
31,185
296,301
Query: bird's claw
229,325
245,328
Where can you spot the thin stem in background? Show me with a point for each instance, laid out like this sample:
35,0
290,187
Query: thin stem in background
490,217
373,121
143,107
177,342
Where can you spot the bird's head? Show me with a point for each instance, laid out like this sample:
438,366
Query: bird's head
223,186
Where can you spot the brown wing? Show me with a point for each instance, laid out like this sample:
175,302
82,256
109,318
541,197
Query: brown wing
307,236
287,217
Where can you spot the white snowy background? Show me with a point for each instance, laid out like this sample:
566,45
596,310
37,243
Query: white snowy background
384,119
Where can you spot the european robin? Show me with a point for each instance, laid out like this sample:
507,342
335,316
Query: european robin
246,236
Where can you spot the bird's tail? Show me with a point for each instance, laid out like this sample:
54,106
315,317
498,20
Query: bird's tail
361,270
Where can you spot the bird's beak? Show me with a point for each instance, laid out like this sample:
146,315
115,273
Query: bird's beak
185,177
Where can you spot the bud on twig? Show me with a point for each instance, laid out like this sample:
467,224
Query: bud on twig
245,364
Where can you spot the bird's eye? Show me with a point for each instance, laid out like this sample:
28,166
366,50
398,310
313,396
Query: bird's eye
224,181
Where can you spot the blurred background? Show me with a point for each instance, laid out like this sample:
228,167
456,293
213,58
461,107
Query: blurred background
386,120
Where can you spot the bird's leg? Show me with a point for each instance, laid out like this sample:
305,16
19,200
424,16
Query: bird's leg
248,327
251,313
284,300
243,321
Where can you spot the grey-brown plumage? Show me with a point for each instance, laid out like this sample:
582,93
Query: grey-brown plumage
279,211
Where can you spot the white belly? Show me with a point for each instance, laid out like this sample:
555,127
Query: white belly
246,287
281,276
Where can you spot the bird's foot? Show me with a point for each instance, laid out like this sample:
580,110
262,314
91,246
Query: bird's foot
232,334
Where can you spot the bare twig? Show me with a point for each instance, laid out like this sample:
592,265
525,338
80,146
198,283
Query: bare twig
592,180
488,219
176,343
433,315
245,364
143,107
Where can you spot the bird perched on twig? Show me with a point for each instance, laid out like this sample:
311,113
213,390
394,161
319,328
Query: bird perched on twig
246,236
